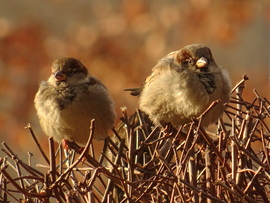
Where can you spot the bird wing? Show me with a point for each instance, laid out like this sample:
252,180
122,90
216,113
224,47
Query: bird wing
135,91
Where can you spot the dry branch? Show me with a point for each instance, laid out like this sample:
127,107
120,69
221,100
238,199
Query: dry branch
143,163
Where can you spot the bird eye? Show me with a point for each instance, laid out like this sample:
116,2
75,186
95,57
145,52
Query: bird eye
191,61
188,61
71,72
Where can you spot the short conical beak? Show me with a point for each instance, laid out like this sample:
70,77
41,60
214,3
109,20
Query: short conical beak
202,62
60,76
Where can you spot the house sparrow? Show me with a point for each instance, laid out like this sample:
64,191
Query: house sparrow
183,85
70,99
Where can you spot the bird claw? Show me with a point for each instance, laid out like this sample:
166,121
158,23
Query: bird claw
65,144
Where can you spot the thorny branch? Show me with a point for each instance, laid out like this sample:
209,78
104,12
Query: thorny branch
143,163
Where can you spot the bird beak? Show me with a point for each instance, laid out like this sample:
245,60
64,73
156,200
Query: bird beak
202,62
60,76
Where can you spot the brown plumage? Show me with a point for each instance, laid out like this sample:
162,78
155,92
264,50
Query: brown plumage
70,99
183,85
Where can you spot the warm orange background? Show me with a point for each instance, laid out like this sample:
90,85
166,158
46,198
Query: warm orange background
120,41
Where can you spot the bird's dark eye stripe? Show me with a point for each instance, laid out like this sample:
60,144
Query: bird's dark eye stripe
73,71
188,60
191,60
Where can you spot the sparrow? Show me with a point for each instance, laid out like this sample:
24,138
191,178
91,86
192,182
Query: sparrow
68,101
183,85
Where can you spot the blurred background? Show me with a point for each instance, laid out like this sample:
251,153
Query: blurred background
119,42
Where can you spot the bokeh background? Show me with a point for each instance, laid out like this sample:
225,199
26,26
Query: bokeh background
120,41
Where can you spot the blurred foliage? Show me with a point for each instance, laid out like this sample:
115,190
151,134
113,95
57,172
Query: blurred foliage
119,41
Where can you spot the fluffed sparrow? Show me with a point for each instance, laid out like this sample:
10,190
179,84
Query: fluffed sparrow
70,99
183,85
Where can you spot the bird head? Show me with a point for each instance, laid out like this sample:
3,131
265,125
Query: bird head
196,57
68,71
